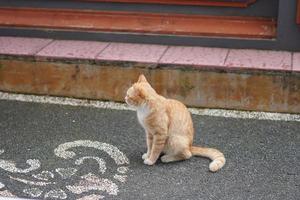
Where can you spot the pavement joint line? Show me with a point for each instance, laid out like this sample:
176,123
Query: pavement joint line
121,106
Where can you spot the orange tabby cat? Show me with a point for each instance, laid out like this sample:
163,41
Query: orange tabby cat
169,127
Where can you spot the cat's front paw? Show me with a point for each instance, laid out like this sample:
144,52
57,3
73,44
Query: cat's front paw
145,155
148,162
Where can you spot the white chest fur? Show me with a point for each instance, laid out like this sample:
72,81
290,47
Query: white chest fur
142,113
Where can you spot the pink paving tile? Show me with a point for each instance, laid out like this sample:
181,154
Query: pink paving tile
259,59
296,62
132,52
21,46
72,49
200,56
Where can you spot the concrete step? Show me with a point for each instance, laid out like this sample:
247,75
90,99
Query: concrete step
198,76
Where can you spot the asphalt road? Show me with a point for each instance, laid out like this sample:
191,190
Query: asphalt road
262,157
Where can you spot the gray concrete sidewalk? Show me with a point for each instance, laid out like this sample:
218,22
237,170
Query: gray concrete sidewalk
36,159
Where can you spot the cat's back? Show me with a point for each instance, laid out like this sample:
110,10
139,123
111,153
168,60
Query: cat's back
176,108
181,123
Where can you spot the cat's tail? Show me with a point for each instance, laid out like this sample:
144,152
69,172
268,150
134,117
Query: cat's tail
218,159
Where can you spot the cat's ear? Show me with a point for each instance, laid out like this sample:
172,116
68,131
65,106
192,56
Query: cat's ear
142,78
140,92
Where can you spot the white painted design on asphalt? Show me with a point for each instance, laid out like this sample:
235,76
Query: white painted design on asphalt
11,166
92,197
92,182
66,172
122,169
28,182
121,178
6,193
33,192
44,175
42,181
100,161
56,194
1,151
120,106
64,152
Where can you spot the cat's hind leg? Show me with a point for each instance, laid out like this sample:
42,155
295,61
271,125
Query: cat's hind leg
177,148
177,157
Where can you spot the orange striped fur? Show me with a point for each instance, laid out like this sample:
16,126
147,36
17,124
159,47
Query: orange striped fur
168,126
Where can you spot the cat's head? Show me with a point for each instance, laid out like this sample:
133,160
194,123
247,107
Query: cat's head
139,93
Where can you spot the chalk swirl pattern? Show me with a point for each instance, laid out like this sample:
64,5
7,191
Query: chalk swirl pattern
51,184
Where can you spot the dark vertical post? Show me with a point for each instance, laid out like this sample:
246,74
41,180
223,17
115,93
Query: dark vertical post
288,32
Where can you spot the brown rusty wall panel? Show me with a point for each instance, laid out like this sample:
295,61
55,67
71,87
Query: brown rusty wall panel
138,22
261,91
242,4
298,12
